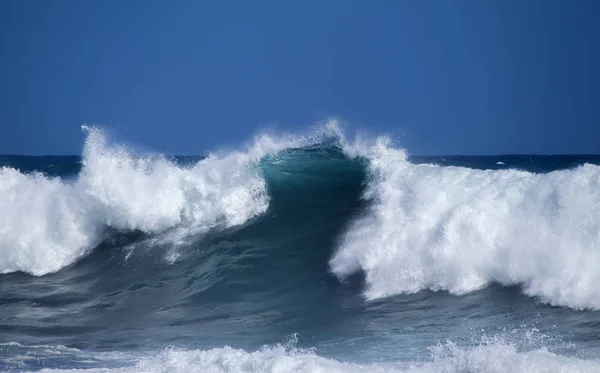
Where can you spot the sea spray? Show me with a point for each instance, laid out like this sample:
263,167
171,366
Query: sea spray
458,229
47,223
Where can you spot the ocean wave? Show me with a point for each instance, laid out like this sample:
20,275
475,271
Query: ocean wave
48,223
458,229
446,358
425,226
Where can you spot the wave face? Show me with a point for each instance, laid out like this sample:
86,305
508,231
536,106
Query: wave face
346,241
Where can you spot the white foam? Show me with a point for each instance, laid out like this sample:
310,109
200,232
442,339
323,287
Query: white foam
458,229
46,223
448,358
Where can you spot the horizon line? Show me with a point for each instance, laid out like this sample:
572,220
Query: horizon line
409,155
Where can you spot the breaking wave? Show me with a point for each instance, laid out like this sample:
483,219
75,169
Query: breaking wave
458,229
425,226
48,223
446,358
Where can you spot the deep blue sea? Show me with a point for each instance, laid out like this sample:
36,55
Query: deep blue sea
313,253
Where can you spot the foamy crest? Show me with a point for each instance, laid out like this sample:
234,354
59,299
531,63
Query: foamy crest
46,224
458,229
498,358
154,194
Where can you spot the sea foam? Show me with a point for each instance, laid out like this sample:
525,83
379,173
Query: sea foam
448,358
458,229
48,223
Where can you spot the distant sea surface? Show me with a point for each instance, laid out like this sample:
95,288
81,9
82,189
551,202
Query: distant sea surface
310,253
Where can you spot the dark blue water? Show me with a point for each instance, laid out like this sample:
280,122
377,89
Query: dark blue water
270,286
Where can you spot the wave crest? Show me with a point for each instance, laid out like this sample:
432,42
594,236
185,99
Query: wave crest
458,229
448,358
48,223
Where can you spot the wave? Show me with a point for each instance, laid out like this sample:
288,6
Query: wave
48,223
458,229
425,226
497,357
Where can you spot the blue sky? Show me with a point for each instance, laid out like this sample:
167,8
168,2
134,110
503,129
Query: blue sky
451,77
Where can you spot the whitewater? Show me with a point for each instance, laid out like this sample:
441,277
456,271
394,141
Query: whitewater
378,260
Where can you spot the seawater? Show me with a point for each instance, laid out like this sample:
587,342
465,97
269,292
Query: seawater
299,253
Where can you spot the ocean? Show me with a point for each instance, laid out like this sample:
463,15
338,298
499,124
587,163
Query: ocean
319,252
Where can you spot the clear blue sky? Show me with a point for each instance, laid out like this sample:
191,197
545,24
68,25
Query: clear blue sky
454,77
